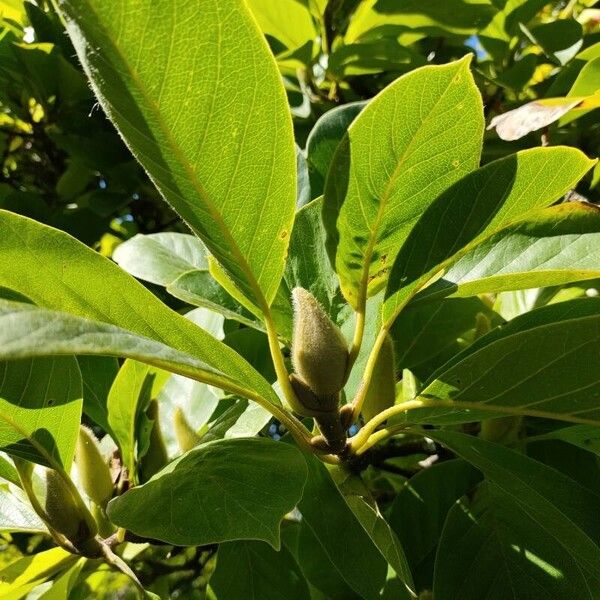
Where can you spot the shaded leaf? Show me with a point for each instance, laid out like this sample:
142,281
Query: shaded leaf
419,510
335,552
529,366
221,491
254,570
542,502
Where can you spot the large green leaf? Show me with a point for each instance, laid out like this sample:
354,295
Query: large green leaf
544,363
491,548
212,128
76,279
21,576
335,552
552,516
415,139
28,331
550,247
254,570
40,406
365,509
226,490
478,205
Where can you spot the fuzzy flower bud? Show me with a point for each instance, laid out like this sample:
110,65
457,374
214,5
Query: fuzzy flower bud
319,350
67,514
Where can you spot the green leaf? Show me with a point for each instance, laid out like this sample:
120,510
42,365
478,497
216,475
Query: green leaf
586,437
418,513
97,375
289,21
16,513
77,280
161,257
40,332
461,17
128,397
505,24
199,288
366,511
254,570
548,507
196,400
308,265
62,586
586,84
549,247
219,147
226,490
8,472
560,40
21,576
429,127
422,332
490,548
478,205
529,366
40,407
323,140
334,548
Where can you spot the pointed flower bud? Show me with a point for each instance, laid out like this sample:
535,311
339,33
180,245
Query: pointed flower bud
94,473
319,350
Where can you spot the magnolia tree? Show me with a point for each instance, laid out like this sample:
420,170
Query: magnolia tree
359,404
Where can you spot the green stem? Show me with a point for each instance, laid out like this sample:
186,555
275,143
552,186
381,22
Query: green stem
359,330
368,435
283,377
364,435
